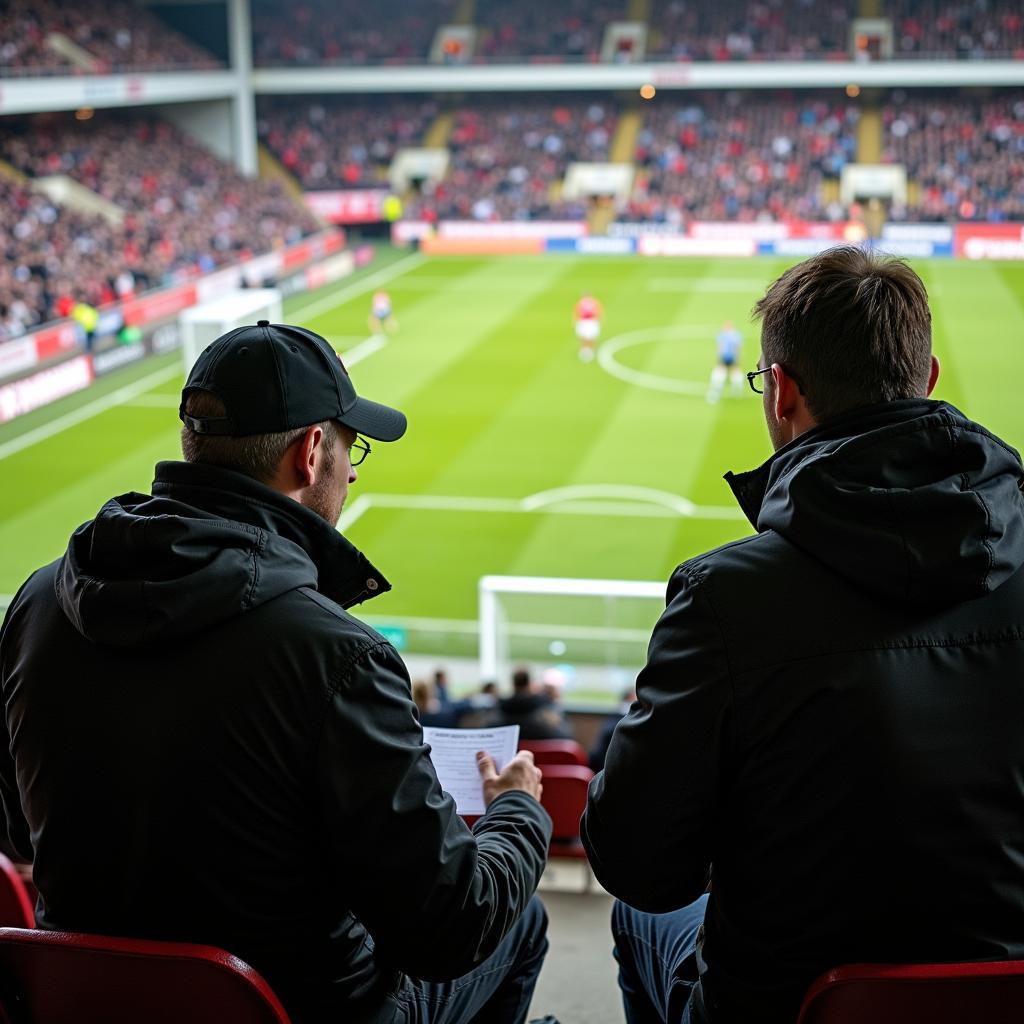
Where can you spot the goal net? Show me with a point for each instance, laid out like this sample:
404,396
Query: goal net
594,631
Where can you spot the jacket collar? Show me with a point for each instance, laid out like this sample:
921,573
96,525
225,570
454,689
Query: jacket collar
345,574
751,487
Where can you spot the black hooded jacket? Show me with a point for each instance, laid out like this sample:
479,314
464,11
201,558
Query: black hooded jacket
203,745
830,724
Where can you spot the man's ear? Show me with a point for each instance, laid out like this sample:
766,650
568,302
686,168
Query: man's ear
933,377
787,400
306,456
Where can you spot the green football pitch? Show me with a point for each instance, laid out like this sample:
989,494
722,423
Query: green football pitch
520,459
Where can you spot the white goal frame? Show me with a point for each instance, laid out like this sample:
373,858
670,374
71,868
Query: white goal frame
491,586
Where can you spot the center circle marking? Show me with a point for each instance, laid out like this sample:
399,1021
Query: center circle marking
645,335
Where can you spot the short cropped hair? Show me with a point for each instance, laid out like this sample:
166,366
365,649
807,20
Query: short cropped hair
853,328
257,455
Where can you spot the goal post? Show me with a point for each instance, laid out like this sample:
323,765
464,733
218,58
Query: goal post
597,629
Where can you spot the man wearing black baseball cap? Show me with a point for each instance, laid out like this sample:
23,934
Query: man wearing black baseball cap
207,746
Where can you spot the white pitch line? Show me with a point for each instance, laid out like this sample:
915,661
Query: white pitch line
354,511
85,412
382,276
365,349
616,504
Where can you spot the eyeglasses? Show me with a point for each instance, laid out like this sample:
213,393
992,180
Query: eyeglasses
752,380
358,451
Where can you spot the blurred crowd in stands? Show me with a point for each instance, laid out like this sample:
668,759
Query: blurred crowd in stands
507,163
570,29
536,706
965,158
742,29
961,28
338,143
735,156
110,35
172,210
120,34
313,32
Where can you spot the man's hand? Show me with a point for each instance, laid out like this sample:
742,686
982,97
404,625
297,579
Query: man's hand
520,773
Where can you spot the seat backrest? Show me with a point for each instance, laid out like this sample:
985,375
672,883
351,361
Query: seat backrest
66,978
989,993
555,752
565,797
16,909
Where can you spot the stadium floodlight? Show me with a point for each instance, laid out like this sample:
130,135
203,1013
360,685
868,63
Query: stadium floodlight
600,627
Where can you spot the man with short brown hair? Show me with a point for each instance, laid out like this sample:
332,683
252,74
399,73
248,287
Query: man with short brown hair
825,762
200,742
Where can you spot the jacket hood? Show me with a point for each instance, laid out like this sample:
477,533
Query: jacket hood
909,500
208,545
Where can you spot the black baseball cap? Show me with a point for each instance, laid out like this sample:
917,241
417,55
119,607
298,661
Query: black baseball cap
274,377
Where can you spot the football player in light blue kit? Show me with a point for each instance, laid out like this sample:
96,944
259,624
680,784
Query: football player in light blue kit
729,342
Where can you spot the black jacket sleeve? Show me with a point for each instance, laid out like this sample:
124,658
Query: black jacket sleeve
436,898
14,839
651,819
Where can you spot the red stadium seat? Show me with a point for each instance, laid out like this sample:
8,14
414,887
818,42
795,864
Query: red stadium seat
989,993
565,798
555,752
15,903
65,978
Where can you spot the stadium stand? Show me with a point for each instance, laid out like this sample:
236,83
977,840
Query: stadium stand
338,143
46,249
179,211
508,160
965,29
742,30
965,154
572,30
325,32
741,157
104,35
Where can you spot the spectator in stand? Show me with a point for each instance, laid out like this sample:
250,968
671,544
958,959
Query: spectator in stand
825,764
532,710
965,154
432,710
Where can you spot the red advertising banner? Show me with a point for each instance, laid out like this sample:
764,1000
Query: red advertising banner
989,241
348,206
52,341
22,396
157,305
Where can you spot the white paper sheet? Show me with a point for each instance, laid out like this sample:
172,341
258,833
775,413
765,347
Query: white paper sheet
453,752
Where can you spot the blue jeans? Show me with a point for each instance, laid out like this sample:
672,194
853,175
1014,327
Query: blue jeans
496,992
658,964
